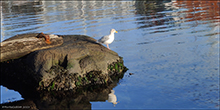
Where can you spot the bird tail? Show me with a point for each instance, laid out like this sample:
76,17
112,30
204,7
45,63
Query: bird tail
98,41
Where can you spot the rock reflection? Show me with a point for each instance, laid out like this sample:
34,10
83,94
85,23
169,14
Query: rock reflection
112,98
72,99
79,99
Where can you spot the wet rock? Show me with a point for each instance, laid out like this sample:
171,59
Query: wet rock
78,62
131,73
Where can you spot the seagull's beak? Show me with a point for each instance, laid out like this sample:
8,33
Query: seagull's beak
116,31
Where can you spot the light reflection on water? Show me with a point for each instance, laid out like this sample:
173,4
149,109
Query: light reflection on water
171,47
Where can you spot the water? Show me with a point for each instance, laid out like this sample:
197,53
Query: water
172,47
8,95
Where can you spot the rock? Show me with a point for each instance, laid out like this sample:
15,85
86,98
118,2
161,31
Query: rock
78,62
21,45
131,73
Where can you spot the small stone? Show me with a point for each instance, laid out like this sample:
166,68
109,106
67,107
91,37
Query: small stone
131,73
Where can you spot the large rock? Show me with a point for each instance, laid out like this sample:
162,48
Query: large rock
78,62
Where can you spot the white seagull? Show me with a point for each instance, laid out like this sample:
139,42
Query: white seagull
108,39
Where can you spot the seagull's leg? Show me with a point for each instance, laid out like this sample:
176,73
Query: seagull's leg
108,47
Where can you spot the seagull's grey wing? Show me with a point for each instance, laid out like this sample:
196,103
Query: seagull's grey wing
103,39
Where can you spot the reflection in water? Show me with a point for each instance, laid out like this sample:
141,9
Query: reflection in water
112,98
149,13
72,99
160,17
20,16
69,17
199,9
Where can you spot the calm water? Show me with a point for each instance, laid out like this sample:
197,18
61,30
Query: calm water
171,46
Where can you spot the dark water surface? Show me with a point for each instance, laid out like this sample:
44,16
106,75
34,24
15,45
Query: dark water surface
171,46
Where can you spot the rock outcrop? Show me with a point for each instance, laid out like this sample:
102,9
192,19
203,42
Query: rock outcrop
21,45
78,62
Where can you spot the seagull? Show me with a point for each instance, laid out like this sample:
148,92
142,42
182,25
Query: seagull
108,39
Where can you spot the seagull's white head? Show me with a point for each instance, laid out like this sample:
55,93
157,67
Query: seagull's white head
113,31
